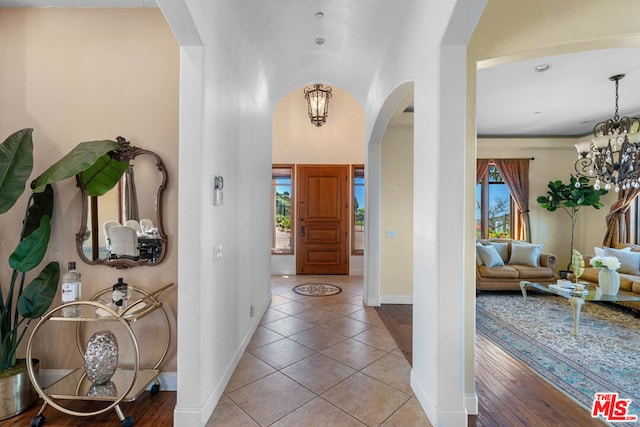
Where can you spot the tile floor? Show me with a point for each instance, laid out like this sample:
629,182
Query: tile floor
320,361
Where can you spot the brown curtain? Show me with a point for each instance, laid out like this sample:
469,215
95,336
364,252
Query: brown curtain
616,219
482,165
515,173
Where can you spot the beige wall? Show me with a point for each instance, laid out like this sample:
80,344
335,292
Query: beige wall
396,254
553,160
84,74
339,141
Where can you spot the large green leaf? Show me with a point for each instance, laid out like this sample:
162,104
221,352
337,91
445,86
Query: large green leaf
42,205
31,250
103,175
16,164
39,294
83,156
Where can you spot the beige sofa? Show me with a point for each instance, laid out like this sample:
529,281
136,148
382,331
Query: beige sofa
540,268
629,282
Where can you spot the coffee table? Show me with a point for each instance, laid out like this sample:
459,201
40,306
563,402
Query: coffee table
576,301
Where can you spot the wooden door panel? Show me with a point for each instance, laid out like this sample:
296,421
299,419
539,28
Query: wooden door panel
323,219
326,257
319,235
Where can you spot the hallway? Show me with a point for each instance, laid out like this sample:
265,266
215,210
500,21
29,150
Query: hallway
319,361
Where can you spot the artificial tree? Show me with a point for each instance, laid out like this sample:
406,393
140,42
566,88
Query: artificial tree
571,197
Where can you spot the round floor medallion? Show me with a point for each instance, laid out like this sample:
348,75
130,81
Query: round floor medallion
317,289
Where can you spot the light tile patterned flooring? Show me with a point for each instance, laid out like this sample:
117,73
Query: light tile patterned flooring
320,361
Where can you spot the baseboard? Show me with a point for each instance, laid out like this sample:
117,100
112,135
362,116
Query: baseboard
372,302
437,416
396,299
214,397
46,377
471,403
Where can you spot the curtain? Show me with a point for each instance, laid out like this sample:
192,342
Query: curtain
482,165
130,196
515,173
616,219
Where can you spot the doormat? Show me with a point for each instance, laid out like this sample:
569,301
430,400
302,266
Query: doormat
317,289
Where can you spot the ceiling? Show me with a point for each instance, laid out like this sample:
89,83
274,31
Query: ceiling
567,100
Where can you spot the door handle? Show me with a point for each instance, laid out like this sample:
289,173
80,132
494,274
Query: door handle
302,230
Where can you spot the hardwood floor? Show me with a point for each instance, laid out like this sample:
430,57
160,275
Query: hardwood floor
509,392
398,318
147,411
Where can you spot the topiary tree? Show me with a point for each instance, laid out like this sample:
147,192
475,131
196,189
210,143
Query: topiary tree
570,198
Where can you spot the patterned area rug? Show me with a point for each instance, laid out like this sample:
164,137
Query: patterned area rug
317,289
604,357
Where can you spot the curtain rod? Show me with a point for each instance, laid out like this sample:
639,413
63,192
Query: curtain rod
505,158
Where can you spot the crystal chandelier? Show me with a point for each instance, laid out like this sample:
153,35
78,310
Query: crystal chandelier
318,103
612,156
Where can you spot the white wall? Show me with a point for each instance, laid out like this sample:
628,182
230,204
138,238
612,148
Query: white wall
226,87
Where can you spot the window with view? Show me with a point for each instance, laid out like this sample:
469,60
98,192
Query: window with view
494,206
357,231
282,208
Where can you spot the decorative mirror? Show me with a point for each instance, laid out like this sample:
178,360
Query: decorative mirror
123,228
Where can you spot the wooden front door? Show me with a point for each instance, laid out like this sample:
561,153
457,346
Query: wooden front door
322,244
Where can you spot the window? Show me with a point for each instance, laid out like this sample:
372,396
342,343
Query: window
494,206
282,208
357,231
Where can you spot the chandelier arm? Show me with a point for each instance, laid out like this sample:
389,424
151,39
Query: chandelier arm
582,167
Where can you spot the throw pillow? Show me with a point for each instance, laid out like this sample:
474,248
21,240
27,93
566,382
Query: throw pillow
478,259
525,254
629,261
490,256
598,251
502,249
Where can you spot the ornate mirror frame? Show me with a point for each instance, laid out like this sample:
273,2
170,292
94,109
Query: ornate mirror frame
127,154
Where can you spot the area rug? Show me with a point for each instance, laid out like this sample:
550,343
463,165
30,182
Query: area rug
604,357
317,289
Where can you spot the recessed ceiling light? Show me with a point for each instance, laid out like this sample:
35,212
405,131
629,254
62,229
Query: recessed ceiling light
319,14
319,40
541,68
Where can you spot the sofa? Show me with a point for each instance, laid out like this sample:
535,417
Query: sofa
515,261
629,256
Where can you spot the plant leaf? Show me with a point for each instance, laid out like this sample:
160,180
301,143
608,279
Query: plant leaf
42,205
83,156
16,164
31,250
39,294
103,175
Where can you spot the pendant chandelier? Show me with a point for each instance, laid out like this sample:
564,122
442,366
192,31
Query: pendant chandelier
612,156
318,103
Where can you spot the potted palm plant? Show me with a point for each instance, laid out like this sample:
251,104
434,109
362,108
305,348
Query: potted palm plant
22,301
570,198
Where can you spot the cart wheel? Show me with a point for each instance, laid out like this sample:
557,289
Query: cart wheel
155,389
127,422
37,421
